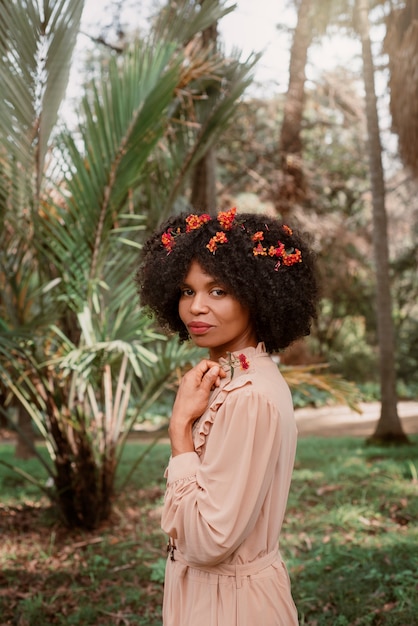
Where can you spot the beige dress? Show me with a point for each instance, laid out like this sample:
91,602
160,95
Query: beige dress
225,502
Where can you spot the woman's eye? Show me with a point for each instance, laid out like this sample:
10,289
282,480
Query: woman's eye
218,292
186,292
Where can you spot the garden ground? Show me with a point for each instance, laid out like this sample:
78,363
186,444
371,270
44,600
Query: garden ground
349,540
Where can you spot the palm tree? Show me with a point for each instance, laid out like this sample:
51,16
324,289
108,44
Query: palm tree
86,360
401,45
36,50
389,427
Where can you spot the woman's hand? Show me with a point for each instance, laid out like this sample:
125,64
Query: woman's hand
191,401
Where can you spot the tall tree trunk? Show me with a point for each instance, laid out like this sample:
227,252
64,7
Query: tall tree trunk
292,185
203,194
389,427
203,197
401,45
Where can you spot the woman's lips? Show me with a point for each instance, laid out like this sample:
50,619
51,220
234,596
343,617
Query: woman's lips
198,328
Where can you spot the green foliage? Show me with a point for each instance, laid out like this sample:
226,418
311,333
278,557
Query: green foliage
370,391
15,487
309,395
247,154
405,290
346,343
32,609
158,571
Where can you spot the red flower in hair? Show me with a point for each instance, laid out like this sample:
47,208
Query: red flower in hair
258,236
226,218
259,250
227,221
220,237
196,221
167,240
290,258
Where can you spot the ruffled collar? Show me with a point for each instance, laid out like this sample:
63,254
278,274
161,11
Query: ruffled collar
242,361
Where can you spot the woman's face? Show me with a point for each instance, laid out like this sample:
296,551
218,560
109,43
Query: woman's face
214,318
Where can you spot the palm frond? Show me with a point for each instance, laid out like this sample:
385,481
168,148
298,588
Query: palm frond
182,21
35,63
316,376
61,27
124,117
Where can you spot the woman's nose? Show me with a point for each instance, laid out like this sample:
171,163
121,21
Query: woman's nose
198,304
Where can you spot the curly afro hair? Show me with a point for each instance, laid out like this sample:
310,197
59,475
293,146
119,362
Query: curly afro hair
281,298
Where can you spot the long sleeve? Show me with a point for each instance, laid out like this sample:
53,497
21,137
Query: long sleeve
212,505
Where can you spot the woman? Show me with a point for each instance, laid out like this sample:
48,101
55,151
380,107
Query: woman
241,286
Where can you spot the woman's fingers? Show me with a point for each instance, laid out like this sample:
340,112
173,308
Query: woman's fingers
205,366
210,378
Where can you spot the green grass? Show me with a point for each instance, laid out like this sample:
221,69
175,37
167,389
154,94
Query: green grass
351,533
349,540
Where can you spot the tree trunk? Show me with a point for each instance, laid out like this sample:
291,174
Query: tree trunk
25,435
292,185
203,194
389,427
401,45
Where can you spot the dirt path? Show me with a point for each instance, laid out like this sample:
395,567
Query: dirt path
334,421
340,421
